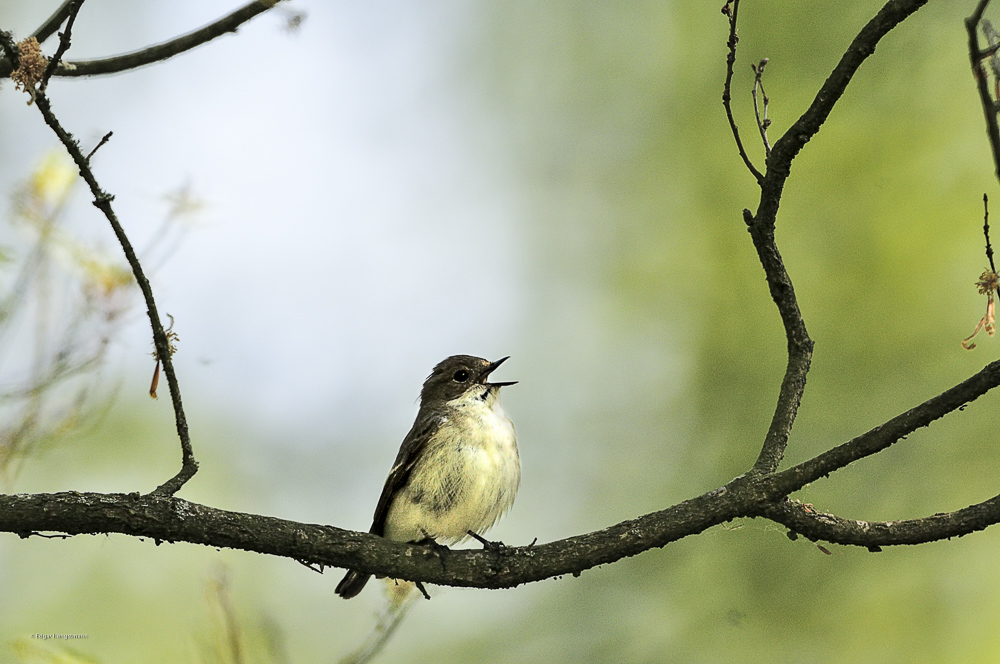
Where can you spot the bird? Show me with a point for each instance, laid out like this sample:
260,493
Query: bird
457,470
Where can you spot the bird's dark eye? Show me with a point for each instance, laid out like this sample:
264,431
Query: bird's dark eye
461,376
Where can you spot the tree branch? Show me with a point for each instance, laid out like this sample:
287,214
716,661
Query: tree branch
976,57
171,519
64,42
731,9
102,200
154,53
762,122
52,23
886,434
804,520
787,147
761,224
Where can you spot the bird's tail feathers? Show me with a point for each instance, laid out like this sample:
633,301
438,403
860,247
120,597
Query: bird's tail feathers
352,584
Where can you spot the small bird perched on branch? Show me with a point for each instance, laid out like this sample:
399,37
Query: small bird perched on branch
457,470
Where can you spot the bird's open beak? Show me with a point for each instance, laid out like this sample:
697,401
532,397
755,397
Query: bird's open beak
490,369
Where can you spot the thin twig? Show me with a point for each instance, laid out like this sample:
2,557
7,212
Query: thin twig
97,147
316,567
986,231
765,122
989,53
102,200
52,23
385,626
64,44
731,9
158,52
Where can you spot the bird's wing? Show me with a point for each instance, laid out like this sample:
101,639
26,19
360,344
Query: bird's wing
409,452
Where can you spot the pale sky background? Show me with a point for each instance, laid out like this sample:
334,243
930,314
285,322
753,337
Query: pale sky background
357,224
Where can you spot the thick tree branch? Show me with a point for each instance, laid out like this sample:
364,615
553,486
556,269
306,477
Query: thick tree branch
171,519
150,54
804,520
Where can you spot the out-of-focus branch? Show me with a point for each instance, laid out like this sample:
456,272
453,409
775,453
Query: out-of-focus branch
976,57
150,54
52,23
64,42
